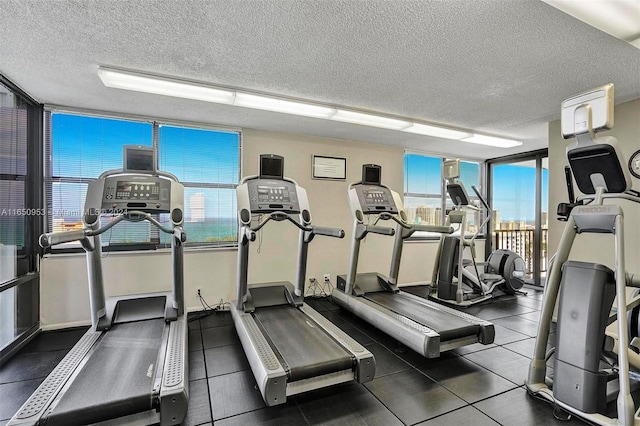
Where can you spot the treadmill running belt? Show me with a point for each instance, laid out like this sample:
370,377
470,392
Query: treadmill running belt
307,349
117,379
448,326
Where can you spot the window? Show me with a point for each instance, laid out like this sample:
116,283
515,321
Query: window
205,161
425,198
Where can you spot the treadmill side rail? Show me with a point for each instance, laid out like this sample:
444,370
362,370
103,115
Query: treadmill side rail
267,370
416,336
174,392
365,362
36,406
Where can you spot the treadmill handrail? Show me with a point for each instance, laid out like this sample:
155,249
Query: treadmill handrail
54,238
280,216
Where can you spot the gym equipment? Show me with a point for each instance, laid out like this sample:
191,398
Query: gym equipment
564,209
426,327
131,365
291,348
590,368
502,273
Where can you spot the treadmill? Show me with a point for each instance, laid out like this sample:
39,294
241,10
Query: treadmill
424,326
130,367
291,348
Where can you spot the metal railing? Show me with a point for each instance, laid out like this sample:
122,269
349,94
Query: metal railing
521,242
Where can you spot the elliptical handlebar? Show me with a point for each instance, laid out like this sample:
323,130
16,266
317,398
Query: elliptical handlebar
328,232
481,198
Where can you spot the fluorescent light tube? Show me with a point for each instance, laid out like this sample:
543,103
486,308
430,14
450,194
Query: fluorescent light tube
492,141
248,100
164,86
438,132
620,18
369,120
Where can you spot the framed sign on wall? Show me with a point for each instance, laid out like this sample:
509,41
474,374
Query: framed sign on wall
333,168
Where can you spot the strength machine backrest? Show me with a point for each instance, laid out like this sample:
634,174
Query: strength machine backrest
458,194
598,165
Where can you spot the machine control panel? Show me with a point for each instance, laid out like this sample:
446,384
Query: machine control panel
141,192
375,199
267,196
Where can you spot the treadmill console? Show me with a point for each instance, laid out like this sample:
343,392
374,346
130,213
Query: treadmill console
267,196
375,199
136,192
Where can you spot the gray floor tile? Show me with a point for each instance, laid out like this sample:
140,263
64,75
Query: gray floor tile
465,415
196,365
413,397
233,394
503,362
531,316
216,319
195,340
473,348
280,415
386,361
348,404
30,366
517,408
467,380
219,336
506,335
519,324
225,360
49,341
13,395
522,347
199,410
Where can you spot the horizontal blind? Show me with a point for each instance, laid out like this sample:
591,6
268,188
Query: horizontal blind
207,162
82,148
13,170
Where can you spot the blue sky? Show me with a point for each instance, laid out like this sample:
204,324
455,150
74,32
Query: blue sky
513,193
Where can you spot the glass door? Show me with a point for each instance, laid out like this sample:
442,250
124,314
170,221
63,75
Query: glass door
519,199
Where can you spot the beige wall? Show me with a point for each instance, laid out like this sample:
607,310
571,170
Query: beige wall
598,248
64,294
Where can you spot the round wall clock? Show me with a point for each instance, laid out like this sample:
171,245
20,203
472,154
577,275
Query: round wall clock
634,164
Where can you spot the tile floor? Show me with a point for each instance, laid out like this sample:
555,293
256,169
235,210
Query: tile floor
477,384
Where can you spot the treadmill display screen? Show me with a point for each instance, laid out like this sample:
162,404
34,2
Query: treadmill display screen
375,197
273,194
130,190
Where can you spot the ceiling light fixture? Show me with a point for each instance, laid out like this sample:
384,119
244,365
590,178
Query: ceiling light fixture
492,141
158,85
369,120
619,18
164,86
438,132
249,100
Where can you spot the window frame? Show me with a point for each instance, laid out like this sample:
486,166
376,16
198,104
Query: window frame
156,243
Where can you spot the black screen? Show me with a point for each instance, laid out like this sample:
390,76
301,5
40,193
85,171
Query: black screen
271,166
141,159
371,174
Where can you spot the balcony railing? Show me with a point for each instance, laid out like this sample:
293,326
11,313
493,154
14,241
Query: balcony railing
521,242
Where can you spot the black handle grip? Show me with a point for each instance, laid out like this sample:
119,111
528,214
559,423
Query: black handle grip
329,232
54,238
382,230
433,228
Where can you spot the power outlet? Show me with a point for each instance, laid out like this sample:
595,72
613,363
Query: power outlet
327,277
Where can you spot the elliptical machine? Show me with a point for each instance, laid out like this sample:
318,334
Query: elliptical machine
459,280
590,367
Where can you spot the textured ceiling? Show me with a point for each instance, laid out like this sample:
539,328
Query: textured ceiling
499,67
